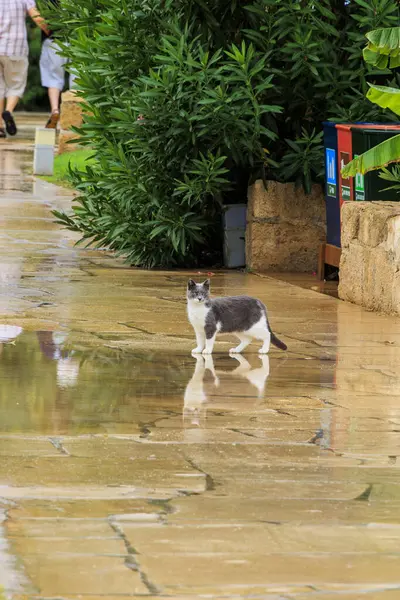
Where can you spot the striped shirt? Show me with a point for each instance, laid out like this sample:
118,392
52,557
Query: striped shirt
13,36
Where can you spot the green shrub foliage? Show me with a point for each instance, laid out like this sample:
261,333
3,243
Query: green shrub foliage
226,91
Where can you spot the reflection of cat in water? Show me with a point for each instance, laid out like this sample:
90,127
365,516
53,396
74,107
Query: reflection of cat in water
199,387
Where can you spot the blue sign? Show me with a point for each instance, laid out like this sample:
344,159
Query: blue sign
331,166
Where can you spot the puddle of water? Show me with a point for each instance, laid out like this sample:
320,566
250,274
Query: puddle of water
11,579
51,384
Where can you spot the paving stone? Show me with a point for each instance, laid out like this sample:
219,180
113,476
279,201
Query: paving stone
90,493
228,509
108,449
18,446
60,528
59,575
190,538
268,596
198,572
71,471
85,508
51,546
365,594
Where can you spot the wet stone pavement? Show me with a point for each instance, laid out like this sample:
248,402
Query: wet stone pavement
128,468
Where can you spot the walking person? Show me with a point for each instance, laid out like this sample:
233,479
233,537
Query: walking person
14,53
52,72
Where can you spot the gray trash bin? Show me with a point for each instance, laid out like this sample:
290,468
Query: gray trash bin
234,222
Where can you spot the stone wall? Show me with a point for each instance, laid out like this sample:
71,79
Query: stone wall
70,116
285,227
370,261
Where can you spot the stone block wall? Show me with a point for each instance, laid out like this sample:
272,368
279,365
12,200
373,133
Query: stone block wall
70,116
370,261
285,227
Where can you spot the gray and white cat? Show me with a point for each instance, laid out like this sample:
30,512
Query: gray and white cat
243,316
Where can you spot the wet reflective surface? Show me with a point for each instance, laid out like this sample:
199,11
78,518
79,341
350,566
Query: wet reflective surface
129,468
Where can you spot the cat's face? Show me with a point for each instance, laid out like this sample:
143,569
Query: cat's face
198,292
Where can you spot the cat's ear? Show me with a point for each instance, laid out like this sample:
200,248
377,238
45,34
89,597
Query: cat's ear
191,284
207,284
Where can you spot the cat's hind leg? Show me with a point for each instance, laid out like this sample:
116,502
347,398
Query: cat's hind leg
245,340
266,337
260,331
258,377
244,365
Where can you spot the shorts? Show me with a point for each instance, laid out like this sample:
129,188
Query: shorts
52,66
13,75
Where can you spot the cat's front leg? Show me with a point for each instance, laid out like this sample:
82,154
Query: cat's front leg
211,334
209,365
201,341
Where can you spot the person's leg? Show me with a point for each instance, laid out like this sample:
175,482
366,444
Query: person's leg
52,75
2,106
11,103
2,98
54,98
15,76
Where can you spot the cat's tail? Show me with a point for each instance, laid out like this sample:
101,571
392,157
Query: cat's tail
277,342
274,340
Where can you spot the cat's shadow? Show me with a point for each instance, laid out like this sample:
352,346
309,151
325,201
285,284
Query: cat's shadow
206,381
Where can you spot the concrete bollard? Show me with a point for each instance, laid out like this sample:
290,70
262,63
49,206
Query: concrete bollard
43,159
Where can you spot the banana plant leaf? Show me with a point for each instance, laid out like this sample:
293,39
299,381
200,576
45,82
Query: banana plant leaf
380,156
385,97
383,48
385,39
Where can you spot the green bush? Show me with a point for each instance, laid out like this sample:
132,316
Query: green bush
228,92
199,109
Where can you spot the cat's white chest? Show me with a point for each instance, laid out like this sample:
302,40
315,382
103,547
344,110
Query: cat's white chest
197,313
